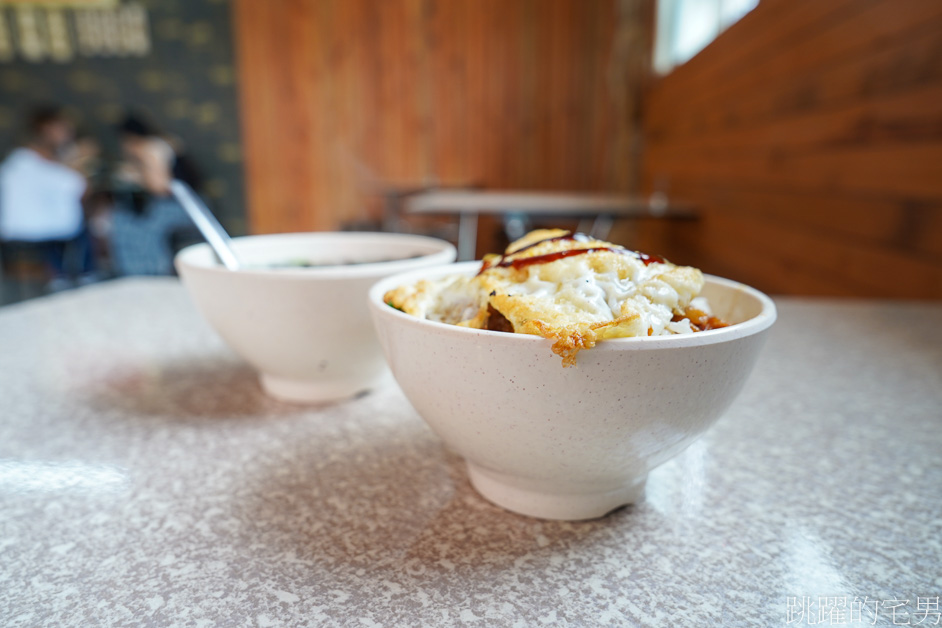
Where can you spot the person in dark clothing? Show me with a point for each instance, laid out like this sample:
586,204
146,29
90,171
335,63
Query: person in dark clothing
146,218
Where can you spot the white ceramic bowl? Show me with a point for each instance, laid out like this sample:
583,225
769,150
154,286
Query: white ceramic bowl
569,443
306,330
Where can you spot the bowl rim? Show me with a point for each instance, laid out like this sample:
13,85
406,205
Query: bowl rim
444,252
752,326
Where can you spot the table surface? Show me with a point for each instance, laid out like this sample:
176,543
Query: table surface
146,481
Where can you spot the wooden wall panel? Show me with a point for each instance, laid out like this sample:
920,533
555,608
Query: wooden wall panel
338,95
810,136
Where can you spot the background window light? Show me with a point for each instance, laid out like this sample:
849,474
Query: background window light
685,27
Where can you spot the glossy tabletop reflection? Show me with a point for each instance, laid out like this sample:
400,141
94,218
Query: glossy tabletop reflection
146,481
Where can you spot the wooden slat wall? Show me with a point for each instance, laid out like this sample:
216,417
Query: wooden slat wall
335,93
810,134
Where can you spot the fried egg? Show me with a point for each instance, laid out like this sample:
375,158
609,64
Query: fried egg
570,288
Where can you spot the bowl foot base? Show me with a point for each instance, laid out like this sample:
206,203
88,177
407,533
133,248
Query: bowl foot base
300,391
547,503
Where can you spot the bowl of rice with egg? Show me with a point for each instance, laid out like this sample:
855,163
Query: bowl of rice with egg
566,368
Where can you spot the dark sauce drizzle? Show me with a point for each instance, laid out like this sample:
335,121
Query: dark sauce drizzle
517,264
577,237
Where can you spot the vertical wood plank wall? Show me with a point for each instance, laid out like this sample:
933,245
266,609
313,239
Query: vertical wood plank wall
810,134
338,95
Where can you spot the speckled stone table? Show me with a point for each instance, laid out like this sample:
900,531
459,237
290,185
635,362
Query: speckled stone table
146,481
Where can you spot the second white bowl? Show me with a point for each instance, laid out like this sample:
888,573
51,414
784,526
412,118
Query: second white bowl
306,330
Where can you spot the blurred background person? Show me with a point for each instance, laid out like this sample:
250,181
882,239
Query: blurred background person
42,185
147,225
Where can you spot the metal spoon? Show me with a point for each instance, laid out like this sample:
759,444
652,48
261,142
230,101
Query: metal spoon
207,224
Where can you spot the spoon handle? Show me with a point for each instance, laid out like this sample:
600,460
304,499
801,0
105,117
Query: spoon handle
207,224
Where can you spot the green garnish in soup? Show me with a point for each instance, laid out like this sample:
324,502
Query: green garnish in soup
300,262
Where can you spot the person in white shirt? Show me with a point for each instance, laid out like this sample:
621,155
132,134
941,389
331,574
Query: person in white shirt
41,195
